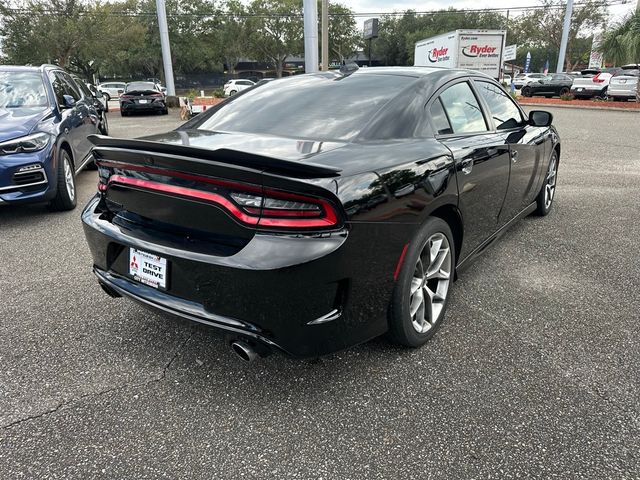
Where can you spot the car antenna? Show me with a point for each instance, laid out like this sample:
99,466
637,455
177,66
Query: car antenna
348,68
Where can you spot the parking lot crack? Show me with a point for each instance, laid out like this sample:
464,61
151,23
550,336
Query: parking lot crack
76,400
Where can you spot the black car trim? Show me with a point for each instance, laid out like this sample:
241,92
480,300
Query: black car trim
462,264
186,309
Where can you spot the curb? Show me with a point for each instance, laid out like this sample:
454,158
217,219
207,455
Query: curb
582,107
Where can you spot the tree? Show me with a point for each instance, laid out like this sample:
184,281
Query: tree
621,44
542,29
275,28
232,35
344,37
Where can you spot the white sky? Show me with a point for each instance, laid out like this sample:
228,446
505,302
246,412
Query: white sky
388,6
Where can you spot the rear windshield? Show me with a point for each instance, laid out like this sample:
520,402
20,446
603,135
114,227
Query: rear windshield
629,73
134,86
22,90
309,106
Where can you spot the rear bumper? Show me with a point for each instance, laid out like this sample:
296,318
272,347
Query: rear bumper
307,295
617,91
28,177
145,107
587,92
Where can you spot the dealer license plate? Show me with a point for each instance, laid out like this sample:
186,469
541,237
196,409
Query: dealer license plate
143,101
148,268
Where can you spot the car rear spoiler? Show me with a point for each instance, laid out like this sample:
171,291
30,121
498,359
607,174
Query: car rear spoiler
142,151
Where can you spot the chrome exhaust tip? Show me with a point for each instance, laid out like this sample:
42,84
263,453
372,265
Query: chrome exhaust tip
244,351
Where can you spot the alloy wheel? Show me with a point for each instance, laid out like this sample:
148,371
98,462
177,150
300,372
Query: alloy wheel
68,178
550,187
430,283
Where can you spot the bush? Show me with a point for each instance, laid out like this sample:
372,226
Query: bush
568,97
218,93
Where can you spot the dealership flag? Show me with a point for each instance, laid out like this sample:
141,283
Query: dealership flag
527,63
546,67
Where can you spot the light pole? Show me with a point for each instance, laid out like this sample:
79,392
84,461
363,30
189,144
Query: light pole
166,50
310,10
325,35
565,36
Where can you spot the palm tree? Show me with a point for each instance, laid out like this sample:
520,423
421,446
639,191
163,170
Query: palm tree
621,44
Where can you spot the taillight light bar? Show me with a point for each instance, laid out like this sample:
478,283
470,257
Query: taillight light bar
289,210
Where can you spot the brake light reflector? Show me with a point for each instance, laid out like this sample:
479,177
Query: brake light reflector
271,209
597,79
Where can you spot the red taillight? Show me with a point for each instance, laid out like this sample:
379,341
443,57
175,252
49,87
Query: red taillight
248,203
597,79
125,97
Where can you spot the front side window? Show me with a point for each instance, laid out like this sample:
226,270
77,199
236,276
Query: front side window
463,109
504,112
70,86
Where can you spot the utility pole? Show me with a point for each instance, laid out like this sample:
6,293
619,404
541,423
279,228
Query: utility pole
310,10
325,35
565,36
166,50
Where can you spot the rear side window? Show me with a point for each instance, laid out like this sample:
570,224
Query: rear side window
463,109
439,118
504,112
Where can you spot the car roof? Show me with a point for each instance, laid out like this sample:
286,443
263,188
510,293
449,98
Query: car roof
433,74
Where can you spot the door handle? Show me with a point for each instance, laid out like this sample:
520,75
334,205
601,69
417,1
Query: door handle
514,156
467,166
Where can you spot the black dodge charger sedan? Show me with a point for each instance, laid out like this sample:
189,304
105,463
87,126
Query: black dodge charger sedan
320,211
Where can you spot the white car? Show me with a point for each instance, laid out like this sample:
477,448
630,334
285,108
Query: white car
624,84
523,78
591,83
234,86
112,89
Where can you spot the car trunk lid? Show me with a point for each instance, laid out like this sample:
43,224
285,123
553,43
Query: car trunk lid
177,193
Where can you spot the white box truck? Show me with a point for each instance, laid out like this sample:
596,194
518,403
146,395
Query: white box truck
479,50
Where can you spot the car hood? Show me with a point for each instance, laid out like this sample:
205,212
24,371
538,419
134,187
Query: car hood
267,145
17,122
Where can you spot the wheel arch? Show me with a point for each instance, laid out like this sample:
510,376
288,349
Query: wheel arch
64,145
452,216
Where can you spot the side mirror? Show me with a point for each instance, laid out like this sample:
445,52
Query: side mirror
98,94
69,101
540,118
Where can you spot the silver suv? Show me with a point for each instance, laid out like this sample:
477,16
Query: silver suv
111,89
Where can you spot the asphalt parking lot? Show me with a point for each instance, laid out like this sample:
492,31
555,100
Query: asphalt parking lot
533,375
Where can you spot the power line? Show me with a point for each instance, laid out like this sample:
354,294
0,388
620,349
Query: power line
49,12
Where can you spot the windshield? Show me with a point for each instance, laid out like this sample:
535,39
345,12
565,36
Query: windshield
140,86
309,106
22,90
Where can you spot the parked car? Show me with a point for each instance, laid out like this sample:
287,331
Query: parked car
624,84
591,83
98,102
523,78
234,86
111,90
246,217
97,94
142,97
44,124
557,84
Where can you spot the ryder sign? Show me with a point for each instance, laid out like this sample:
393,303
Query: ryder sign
479,50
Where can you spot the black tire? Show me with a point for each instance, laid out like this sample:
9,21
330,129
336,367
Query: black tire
64,200
564,91
123,113
526,92
548,96
401,322
165,111
233,92
543,206
107,96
